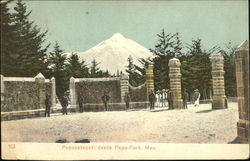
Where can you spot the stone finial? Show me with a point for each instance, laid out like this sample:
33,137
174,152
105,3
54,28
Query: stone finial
40,76
53,78
124,76
244,46
150,66
174,62
216,58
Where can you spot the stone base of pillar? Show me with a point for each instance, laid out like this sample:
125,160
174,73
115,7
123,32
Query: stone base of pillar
219,102
178,104
243,135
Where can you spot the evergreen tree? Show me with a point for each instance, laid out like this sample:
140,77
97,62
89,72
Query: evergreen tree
30,41
76,68
58,70
229,68
9,58
106,74
131,71
95,71
196,69
167,47
27,56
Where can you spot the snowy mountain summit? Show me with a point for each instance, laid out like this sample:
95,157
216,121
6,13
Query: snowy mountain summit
113,53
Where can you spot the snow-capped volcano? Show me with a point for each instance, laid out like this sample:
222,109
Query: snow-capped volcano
113,53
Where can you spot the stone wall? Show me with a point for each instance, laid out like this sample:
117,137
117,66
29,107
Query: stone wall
93,89
24,93
138,94
19,96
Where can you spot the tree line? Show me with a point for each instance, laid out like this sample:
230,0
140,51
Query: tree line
25,54
195,65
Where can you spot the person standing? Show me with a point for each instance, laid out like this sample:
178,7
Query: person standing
47,105
127,100
185,98
157,97
163,98
170,99
166,97
196,97
152,98
64,103
105,99
80,102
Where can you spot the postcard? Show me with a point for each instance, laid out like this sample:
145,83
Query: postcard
125,80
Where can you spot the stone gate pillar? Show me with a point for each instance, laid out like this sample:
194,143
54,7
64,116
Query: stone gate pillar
218,98
53,96
150,78
40,79
124,86
175,82
242,80
72,91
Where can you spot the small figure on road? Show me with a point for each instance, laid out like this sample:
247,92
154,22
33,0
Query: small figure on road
105,99
163,98
65,103
196,97
185,98
127,100
157,97
152,99
170,99
47,105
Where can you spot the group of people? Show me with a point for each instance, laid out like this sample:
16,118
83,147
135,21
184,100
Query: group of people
165,98
64,102
162,98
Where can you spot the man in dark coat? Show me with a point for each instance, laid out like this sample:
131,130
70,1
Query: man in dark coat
47,105
170,99
105,99
185,98
127,100
64,103
80,101
152,98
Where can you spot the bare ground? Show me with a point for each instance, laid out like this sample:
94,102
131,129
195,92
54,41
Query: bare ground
192,125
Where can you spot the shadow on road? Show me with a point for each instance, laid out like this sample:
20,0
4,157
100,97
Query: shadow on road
159,110
83,141
206,111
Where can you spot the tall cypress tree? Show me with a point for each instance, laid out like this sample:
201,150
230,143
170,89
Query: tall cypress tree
31,54
76,68
167,47
196,69
229,68
9,57
131,71
94,69
57,67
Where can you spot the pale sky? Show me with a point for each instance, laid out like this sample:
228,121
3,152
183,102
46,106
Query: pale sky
80,25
